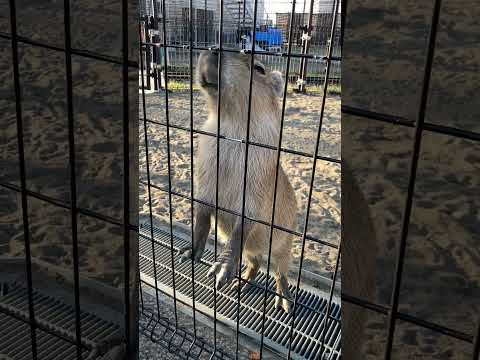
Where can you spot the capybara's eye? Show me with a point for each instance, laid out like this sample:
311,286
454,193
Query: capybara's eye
259,68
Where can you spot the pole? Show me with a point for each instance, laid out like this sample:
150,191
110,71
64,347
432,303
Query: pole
243,25
239,32
205,17
306,48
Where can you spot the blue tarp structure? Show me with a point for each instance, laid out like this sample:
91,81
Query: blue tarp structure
271,37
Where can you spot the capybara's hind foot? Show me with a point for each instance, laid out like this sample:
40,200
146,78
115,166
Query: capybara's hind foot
285,300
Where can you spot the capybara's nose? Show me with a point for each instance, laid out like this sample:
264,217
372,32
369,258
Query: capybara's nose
207,68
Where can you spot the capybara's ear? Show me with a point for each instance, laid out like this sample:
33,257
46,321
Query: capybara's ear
278,84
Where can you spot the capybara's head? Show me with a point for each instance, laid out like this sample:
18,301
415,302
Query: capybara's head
267,86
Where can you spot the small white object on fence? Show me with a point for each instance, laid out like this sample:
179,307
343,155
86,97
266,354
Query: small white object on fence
306,36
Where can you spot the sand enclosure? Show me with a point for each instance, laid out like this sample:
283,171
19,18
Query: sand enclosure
302,119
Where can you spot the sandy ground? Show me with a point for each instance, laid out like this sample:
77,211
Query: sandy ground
300,131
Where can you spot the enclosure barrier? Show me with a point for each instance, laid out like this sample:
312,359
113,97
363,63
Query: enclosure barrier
312,329
38,322
421,126
78,344
392,311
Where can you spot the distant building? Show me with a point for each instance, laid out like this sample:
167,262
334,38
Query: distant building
206,18
321,25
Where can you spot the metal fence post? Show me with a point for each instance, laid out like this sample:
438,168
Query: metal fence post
148,55
306,37
156,79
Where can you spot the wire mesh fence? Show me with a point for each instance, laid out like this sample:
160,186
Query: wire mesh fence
310,38
295,318
393,318
50,287
57,329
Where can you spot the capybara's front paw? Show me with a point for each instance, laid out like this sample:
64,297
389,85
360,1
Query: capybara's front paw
187,253
224,271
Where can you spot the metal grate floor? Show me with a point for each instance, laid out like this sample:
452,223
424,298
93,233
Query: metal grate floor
310,314
98,335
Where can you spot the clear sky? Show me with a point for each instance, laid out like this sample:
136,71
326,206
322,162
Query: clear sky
285,6
277,6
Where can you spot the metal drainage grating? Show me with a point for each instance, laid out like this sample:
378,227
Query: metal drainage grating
177,340
309,320
98,335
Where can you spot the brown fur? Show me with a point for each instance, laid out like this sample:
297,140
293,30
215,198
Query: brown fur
261,168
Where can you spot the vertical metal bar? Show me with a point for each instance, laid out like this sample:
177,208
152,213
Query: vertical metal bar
326,323
191,174
206,23
239,11
245,165
148,56
73,180
243,15
312,179
167,119
306,48
217,170
157,78
279,145
149,189
343,23
21,159
243,24
392,314
157,81
142,38
126,177
194,26
476,343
